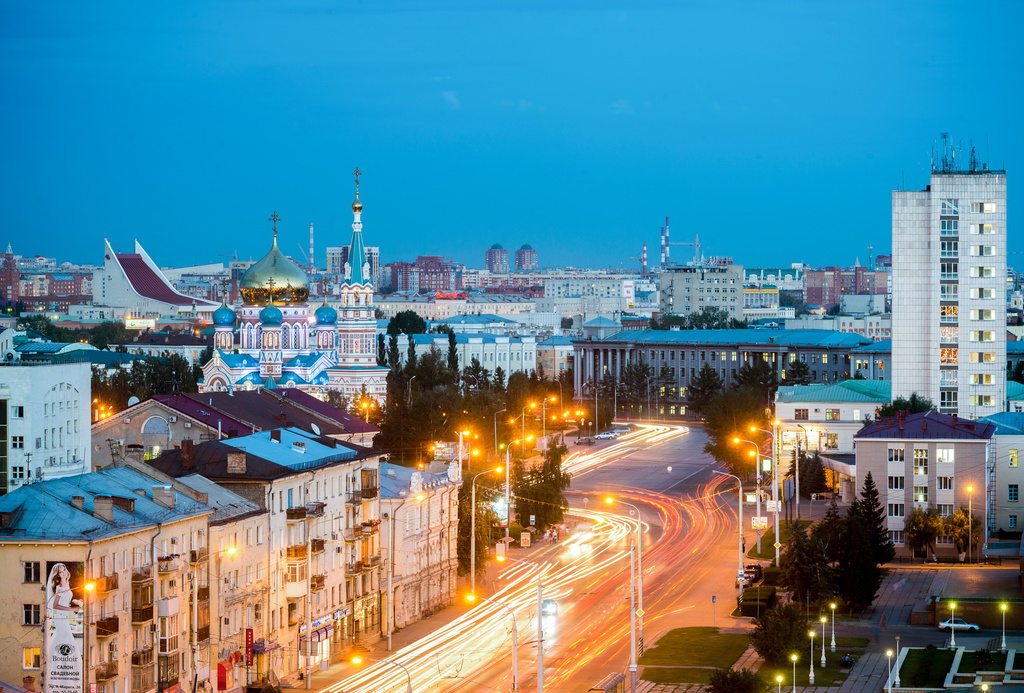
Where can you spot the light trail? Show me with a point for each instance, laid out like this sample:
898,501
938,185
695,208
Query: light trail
643,435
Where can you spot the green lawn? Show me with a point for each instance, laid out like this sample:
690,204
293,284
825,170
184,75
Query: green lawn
675,675
969,662
699,647
925,668
768,541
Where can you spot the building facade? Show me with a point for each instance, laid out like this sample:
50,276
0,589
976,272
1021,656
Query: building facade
949,283
691,288
496,259
527,259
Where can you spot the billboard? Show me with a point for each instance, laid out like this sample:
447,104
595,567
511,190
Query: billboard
63,632
139,324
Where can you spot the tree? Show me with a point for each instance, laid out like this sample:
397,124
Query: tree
407,322
922,528
914,405
382,351
1015,372
798,373
812,475
859,575
805,568
758,375
486,519
107,333
779,632
394,356
737,681
708,318
729,415
829,532
635,387
541,492
704,387
453,352
961,525
875,522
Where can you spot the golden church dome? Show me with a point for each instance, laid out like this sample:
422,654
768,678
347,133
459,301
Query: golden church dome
277,277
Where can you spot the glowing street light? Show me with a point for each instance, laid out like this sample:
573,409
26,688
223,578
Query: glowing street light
472,525
793,658
639,613
810,676
515,636
888,654
778,679
952,626
1002,642
739,575
823,621
833,607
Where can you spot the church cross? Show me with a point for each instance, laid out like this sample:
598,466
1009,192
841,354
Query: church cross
274,218
357,173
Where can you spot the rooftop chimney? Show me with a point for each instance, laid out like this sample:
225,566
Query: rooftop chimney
103,508
78,502
236,463
954,421
275,435
187,460
164,496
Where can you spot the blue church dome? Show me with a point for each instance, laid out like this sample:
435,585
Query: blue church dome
271,315
223,316
325,315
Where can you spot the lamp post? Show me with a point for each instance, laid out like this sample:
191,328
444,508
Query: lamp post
757,464
810,676
952,626
796,468
508,491
389,617
496,430
793,658
544,417
823,621
896,679
1002,641
774,433
472,528
639,613
739,575
408,676
888,655
515,637
970,523
540,622
833,607
778,680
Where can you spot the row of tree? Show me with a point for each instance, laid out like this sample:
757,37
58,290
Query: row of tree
923,527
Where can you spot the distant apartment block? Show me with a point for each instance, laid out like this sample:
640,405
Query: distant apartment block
825,287
527,259
496,259
690,288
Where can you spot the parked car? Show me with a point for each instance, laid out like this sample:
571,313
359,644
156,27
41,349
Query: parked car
952,624
607,435
585,441
753,571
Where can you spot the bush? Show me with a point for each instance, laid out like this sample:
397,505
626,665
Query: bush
772,575
763,594
780,632
737,681
753,608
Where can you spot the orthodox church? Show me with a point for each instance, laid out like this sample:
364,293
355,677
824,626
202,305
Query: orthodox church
285,345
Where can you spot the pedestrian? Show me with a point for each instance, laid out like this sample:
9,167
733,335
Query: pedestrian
877,632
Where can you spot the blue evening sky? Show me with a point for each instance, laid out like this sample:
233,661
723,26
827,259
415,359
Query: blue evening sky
774,129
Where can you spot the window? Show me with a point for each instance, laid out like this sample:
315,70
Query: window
945,509
983,271
897,537
920,494
17,442
944,483
896,455
949,313
949,270
983,250
982,228
856,415
896,509
801,414
831,441
983,207
949,292
1013,521
983,293
948,400
831,415
31,571
950,227
1013,458
981,379
982,400
949,356
950,208
983,336
949,249
31,658
1013,493
949,333
944,455
982,357
30,614
17,412
896,483
920,460
986,314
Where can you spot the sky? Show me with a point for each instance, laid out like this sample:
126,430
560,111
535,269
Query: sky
775,130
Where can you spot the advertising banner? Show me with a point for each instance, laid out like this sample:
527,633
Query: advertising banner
63,633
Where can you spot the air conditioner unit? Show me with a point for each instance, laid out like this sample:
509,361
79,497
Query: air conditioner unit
126,419
188,424
172,419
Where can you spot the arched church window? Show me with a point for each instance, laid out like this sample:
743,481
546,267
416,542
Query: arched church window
156,425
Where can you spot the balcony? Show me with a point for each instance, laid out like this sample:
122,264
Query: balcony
355,498
356,567
142,658
317,582
295,514
169,682
296,589
170,606
297,552
106,671
169,645
142,614
197,555
107,583
351,534
203,593
142,574
373,560
315,509
368,492
167,565
371,526
202,633
318,545
105,627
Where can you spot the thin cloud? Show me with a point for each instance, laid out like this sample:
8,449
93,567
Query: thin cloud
451,98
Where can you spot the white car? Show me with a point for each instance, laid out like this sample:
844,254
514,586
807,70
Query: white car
607,435
958,624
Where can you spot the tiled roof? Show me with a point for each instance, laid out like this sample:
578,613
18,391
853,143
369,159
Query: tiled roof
294,448
555,341
146,283
792,338
927,425
871,391
227,505
44,510
601,322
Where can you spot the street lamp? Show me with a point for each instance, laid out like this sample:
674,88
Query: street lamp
1002,642
793,658
540,623
757,465
408,676
639,569
810,676
970,523
888,654
952,625
778,679
739,575
896,679
775,481
833,607
823,621
515,636
496,430
472,527
508,491
389,617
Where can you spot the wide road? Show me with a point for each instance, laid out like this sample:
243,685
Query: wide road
689,555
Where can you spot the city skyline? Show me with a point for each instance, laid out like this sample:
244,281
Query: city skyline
575,130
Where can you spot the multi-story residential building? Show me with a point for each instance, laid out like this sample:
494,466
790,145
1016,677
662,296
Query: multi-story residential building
163,344
496,259
691,288
760,301
949,302
428,273
826,286
1008,444
527,259
439,306
420,521
684,352
318,493
928,460
873,361
44,421
789,279
554,356
874,327
512,354
96,574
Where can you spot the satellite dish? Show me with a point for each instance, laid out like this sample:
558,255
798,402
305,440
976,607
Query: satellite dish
316,429
133,400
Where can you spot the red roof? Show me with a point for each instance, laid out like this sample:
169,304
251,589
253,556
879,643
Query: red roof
147,283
